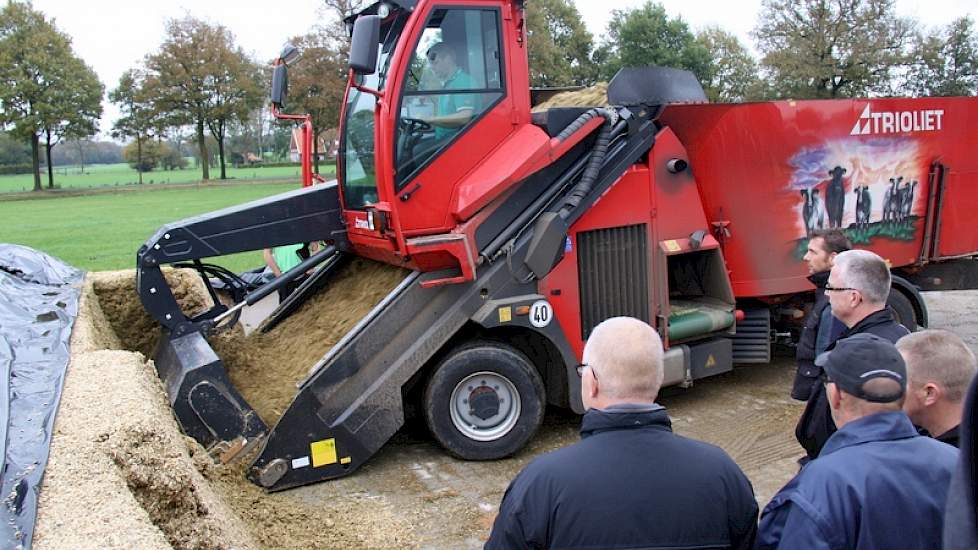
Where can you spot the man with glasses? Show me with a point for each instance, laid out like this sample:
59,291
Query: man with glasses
857,287
630,482
877,483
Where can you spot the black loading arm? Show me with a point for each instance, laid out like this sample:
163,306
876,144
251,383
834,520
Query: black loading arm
205,402
304,215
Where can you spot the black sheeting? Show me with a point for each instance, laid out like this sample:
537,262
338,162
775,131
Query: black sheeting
38,305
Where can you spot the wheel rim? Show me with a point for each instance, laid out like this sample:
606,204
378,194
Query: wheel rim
485,406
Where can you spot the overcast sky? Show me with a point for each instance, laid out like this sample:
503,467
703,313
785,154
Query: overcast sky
114,35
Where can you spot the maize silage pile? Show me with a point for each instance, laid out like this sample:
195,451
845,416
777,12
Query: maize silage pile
595,96
121,475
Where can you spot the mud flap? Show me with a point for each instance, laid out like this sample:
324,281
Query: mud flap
205,402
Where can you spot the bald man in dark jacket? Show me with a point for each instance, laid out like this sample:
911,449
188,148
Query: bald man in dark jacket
630,482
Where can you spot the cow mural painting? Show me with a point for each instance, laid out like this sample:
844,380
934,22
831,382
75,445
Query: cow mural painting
772,172
870,187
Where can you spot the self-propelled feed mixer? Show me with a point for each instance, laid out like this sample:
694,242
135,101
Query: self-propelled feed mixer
520,231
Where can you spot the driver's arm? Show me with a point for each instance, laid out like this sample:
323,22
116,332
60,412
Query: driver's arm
455,120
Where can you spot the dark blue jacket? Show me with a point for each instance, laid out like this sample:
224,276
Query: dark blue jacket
629,483
961,520
878,484
820,330
816,424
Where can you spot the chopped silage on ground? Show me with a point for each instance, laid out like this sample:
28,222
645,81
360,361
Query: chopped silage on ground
121,475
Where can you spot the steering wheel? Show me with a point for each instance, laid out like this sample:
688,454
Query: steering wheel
415,125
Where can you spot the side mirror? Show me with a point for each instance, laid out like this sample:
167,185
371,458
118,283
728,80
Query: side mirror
280,85
280,74
363,45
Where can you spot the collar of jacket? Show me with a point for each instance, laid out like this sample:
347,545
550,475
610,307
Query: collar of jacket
598,420
879,317
819,279
885,426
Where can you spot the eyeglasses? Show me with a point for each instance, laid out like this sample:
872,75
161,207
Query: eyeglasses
580,370
838,288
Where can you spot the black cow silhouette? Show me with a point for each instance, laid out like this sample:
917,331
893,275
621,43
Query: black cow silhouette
891,200
835,197
864,206
806,212
818,211
906,200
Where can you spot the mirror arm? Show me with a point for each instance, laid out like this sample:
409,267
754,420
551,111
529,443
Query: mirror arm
352,82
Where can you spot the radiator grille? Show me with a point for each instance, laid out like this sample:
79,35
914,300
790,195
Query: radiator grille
613,270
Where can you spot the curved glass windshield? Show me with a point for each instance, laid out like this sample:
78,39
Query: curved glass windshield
358,175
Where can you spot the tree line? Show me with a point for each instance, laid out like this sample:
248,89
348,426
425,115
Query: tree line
200,79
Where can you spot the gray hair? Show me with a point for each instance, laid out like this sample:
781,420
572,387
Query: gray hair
939,356
866,272
626,355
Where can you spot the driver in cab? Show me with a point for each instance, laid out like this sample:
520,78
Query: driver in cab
452,111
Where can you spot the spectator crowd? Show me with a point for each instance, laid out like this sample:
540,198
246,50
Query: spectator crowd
880,434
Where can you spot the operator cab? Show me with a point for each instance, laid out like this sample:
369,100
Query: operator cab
453,77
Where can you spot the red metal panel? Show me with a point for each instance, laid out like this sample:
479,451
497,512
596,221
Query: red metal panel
759,165
627,202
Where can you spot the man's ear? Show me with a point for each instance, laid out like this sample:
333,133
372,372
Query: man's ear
594,385
932,393
834,396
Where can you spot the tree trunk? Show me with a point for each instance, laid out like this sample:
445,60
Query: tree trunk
47,156
36,161
81,155
220,153
202,147
139,158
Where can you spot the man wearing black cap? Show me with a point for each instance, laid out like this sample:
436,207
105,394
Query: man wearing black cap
858,286
877,483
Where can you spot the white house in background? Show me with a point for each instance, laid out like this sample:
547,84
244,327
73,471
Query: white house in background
329,144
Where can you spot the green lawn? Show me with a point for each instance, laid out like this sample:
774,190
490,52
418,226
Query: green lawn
102,231
101,175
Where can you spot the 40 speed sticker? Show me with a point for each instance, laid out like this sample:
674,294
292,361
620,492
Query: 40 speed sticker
541,313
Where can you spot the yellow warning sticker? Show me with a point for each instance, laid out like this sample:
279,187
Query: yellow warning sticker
505,314
710,361
346,460
672,246
323,452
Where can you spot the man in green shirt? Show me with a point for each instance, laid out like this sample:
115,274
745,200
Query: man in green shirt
454,110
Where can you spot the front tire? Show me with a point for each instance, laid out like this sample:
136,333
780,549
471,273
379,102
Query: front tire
484,401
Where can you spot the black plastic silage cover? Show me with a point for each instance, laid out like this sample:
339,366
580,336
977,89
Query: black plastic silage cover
38,305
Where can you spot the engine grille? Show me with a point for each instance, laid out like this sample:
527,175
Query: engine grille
613,270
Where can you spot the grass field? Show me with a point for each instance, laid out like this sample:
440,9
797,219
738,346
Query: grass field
102,231
101,175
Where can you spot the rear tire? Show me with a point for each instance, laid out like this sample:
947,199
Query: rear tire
484,401
903,309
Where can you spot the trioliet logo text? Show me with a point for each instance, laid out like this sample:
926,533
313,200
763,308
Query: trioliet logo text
897,122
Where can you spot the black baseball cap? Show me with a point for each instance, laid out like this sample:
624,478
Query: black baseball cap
860,358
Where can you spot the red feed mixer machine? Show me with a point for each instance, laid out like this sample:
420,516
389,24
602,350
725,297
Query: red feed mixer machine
522,231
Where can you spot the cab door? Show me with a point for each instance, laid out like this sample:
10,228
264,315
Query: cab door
452,109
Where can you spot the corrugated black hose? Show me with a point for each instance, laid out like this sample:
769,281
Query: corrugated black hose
598,153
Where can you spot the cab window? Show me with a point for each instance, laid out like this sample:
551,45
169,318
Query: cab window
454,76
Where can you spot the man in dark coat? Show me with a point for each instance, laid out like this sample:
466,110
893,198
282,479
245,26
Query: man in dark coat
939,370
857,287
878,483
961,516
821,327
630,482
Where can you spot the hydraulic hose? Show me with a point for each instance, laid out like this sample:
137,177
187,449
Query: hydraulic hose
596,159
